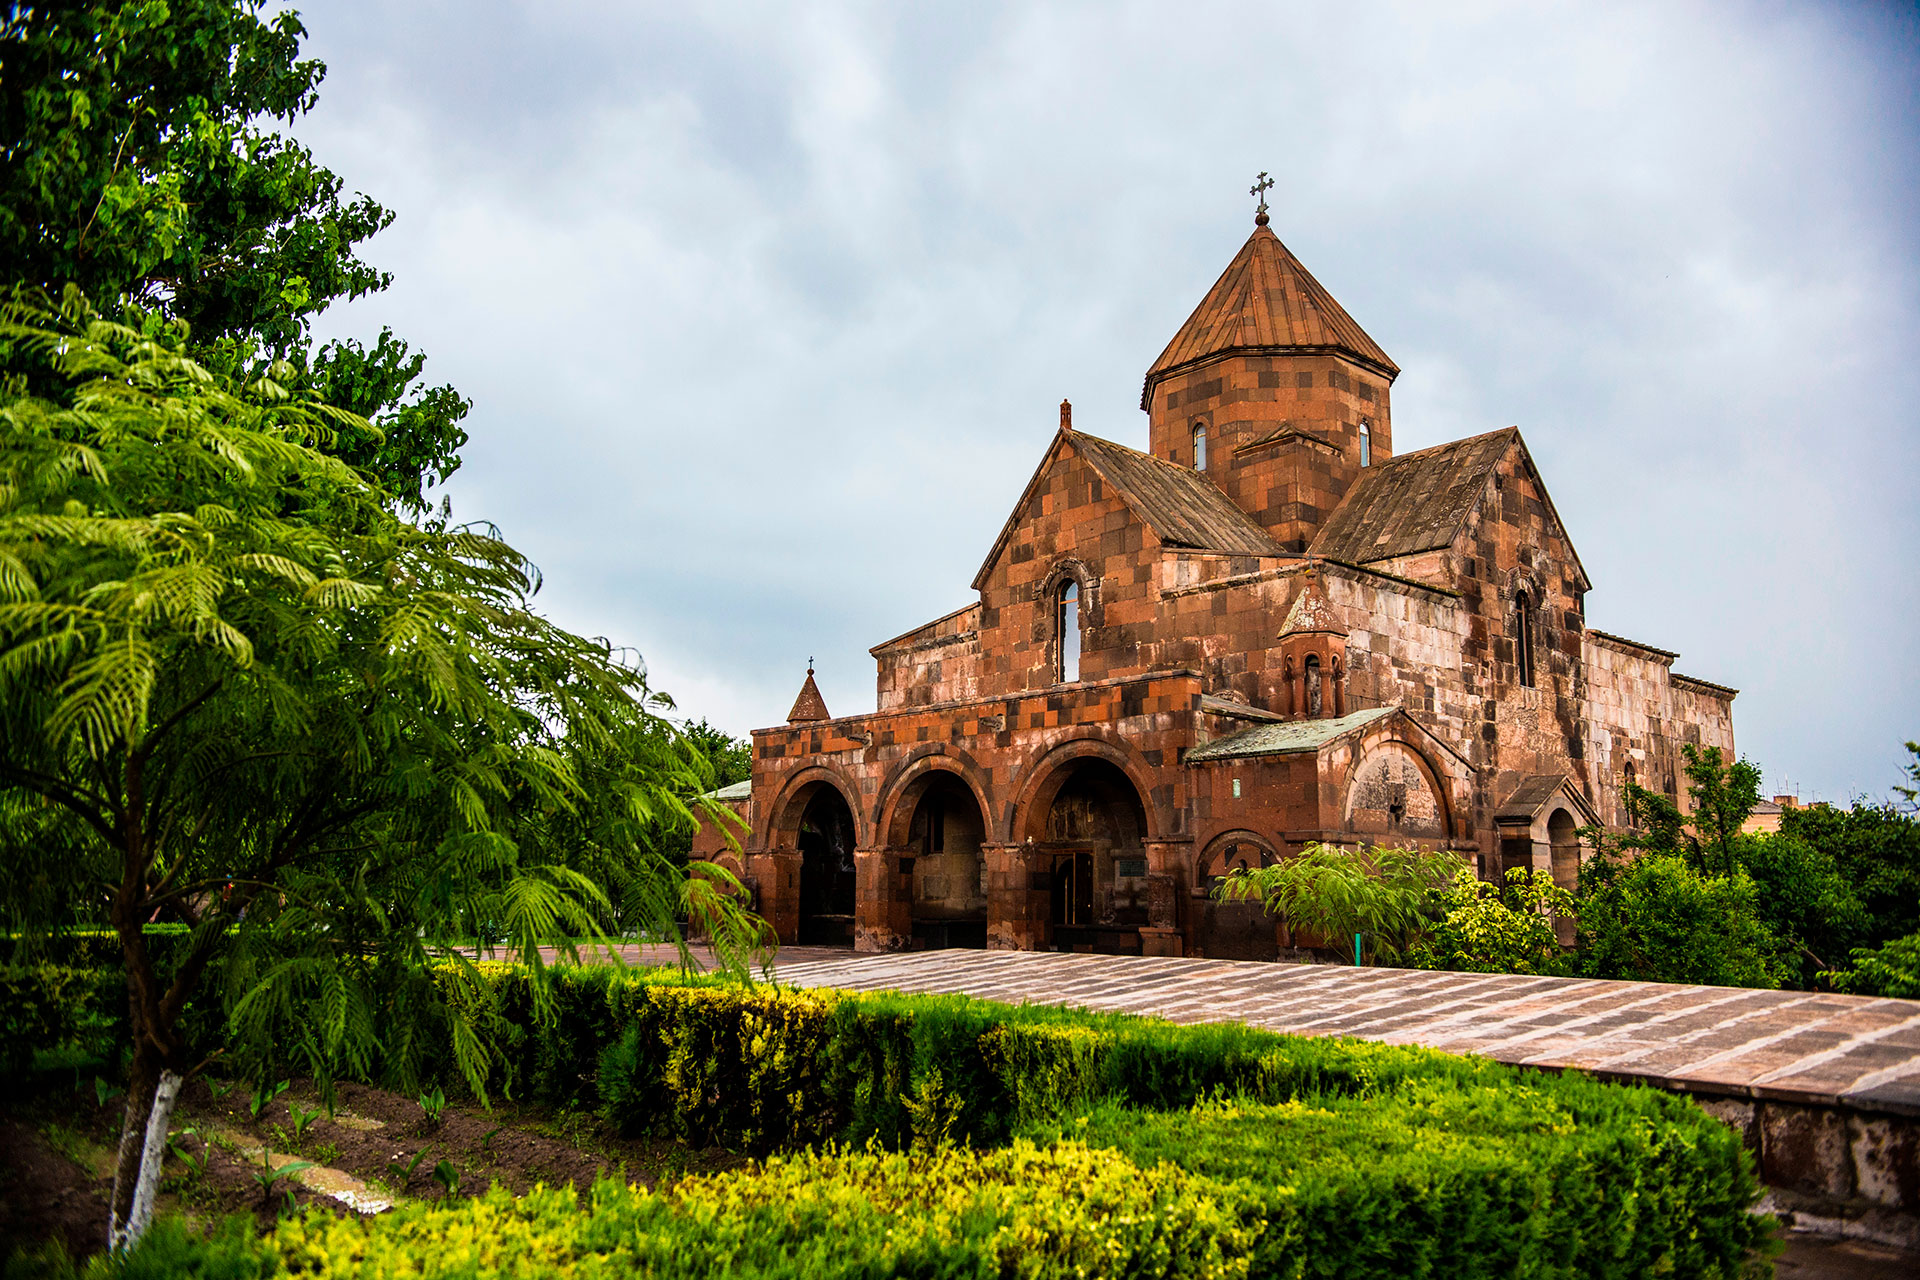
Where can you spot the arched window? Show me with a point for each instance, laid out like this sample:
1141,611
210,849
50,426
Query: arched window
1068,622
1312,669
1523,637
1626,797
1366,444
1199,446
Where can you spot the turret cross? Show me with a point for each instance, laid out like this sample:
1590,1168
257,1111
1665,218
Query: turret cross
1258,191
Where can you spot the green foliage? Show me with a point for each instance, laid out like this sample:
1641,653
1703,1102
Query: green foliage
448,1176
144,162
1387,894
302,1118
1281,1155
1067,1212
1657,919
1876,850
1723,794
1487,931
731,757
1891,970
1805,903
334,741
41,1007
1427,1180
432,1102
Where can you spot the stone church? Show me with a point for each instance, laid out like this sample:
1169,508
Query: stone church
1266,629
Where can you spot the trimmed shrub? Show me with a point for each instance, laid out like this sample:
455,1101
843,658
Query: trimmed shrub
1066,1211
1435,1180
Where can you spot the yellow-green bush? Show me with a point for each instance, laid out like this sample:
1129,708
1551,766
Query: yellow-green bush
1066,1210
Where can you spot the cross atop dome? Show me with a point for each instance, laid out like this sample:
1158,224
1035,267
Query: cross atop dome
1261,185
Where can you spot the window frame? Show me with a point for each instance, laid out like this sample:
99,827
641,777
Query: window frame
1067,593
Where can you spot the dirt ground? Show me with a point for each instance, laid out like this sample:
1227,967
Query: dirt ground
56,1155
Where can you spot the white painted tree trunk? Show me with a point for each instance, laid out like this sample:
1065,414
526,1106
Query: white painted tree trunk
140,1213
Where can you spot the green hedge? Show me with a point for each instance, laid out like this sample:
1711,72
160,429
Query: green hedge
47,1006
1427,1179
1427,1182
1065,1211
96,948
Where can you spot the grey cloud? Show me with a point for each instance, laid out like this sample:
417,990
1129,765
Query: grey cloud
766,309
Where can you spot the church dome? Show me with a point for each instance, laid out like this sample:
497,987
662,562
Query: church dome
1266,303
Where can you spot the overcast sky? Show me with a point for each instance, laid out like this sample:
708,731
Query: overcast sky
766,310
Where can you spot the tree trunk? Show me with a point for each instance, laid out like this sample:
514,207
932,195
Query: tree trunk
153,1152
143,1082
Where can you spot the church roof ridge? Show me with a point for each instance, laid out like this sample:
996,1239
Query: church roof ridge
1266,301
1180,506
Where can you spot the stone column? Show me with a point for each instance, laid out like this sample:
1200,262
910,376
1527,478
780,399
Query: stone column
883,900
774,877
1163,934
1012,921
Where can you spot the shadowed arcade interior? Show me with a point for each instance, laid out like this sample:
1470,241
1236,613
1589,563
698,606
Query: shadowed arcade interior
949,872
1095,860
827,883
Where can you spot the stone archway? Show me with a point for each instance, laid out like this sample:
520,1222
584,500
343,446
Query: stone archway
1395,798
825,842
1233,930
1092,852
1563,838
944,833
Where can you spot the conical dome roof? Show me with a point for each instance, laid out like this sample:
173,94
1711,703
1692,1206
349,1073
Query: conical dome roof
1312,611
809,705
1266,303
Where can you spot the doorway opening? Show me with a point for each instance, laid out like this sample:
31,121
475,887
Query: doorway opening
826,869
949,872
1096,860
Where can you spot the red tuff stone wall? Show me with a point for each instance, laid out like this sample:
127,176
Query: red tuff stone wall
939,662
1070,526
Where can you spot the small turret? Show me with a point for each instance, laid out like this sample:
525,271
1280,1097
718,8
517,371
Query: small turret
809,706
1313,646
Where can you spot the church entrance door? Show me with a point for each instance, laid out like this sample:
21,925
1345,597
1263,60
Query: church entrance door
826,870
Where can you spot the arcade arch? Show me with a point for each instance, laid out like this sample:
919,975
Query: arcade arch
824,836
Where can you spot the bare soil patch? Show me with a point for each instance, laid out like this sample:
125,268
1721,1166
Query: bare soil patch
56,1155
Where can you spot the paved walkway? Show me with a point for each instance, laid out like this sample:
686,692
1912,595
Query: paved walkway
1789,1046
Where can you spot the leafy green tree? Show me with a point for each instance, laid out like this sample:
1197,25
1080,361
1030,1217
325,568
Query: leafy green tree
1657,919
1723,795
1910,796
143,159
1486,930
1806,904
1876,851
1386,894
336,741
731,757
1891,970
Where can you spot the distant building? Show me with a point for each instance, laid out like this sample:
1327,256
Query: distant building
1266,629
1766,815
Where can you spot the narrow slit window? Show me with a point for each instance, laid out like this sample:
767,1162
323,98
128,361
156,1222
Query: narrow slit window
1523,638
1366,444
1200,446
1312,669
1069,632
